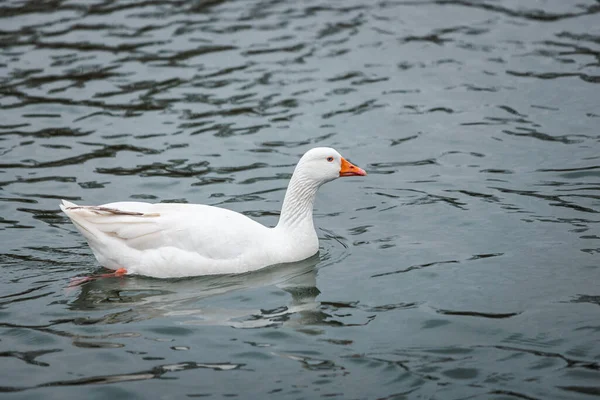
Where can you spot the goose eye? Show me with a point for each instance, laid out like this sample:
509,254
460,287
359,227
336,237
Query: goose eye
330,159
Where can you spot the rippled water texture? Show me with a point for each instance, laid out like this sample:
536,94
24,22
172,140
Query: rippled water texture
464,266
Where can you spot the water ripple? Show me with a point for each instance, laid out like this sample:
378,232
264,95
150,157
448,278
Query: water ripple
154,373
475,120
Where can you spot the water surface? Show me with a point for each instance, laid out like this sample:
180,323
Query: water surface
464,266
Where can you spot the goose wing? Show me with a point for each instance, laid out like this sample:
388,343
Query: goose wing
213,232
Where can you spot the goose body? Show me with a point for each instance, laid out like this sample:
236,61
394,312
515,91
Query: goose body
168,240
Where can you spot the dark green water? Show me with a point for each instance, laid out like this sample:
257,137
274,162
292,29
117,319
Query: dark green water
465,266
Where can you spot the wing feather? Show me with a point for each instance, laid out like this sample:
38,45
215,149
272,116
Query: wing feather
212,232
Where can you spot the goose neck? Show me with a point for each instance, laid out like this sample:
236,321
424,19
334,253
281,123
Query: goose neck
298,203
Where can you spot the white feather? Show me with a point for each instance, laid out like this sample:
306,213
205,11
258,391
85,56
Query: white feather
175,240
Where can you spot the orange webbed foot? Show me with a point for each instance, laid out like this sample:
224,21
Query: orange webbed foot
83,279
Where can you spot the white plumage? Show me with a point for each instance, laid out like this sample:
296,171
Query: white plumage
173,240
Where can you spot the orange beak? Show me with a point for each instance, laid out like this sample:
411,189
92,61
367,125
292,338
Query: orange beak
349,169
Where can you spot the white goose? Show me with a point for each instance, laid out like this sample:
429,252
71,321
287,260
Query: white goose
168,240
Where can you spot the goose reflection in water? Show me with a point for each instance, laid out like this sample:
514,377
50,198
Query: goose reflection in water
148,298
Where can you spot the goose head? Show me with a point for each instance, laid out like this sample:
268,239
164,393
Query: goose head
324,164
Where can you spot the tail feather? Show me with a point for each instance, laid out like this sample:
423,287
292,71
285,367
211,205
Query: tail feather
67,207
81,217
97,222
66,203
